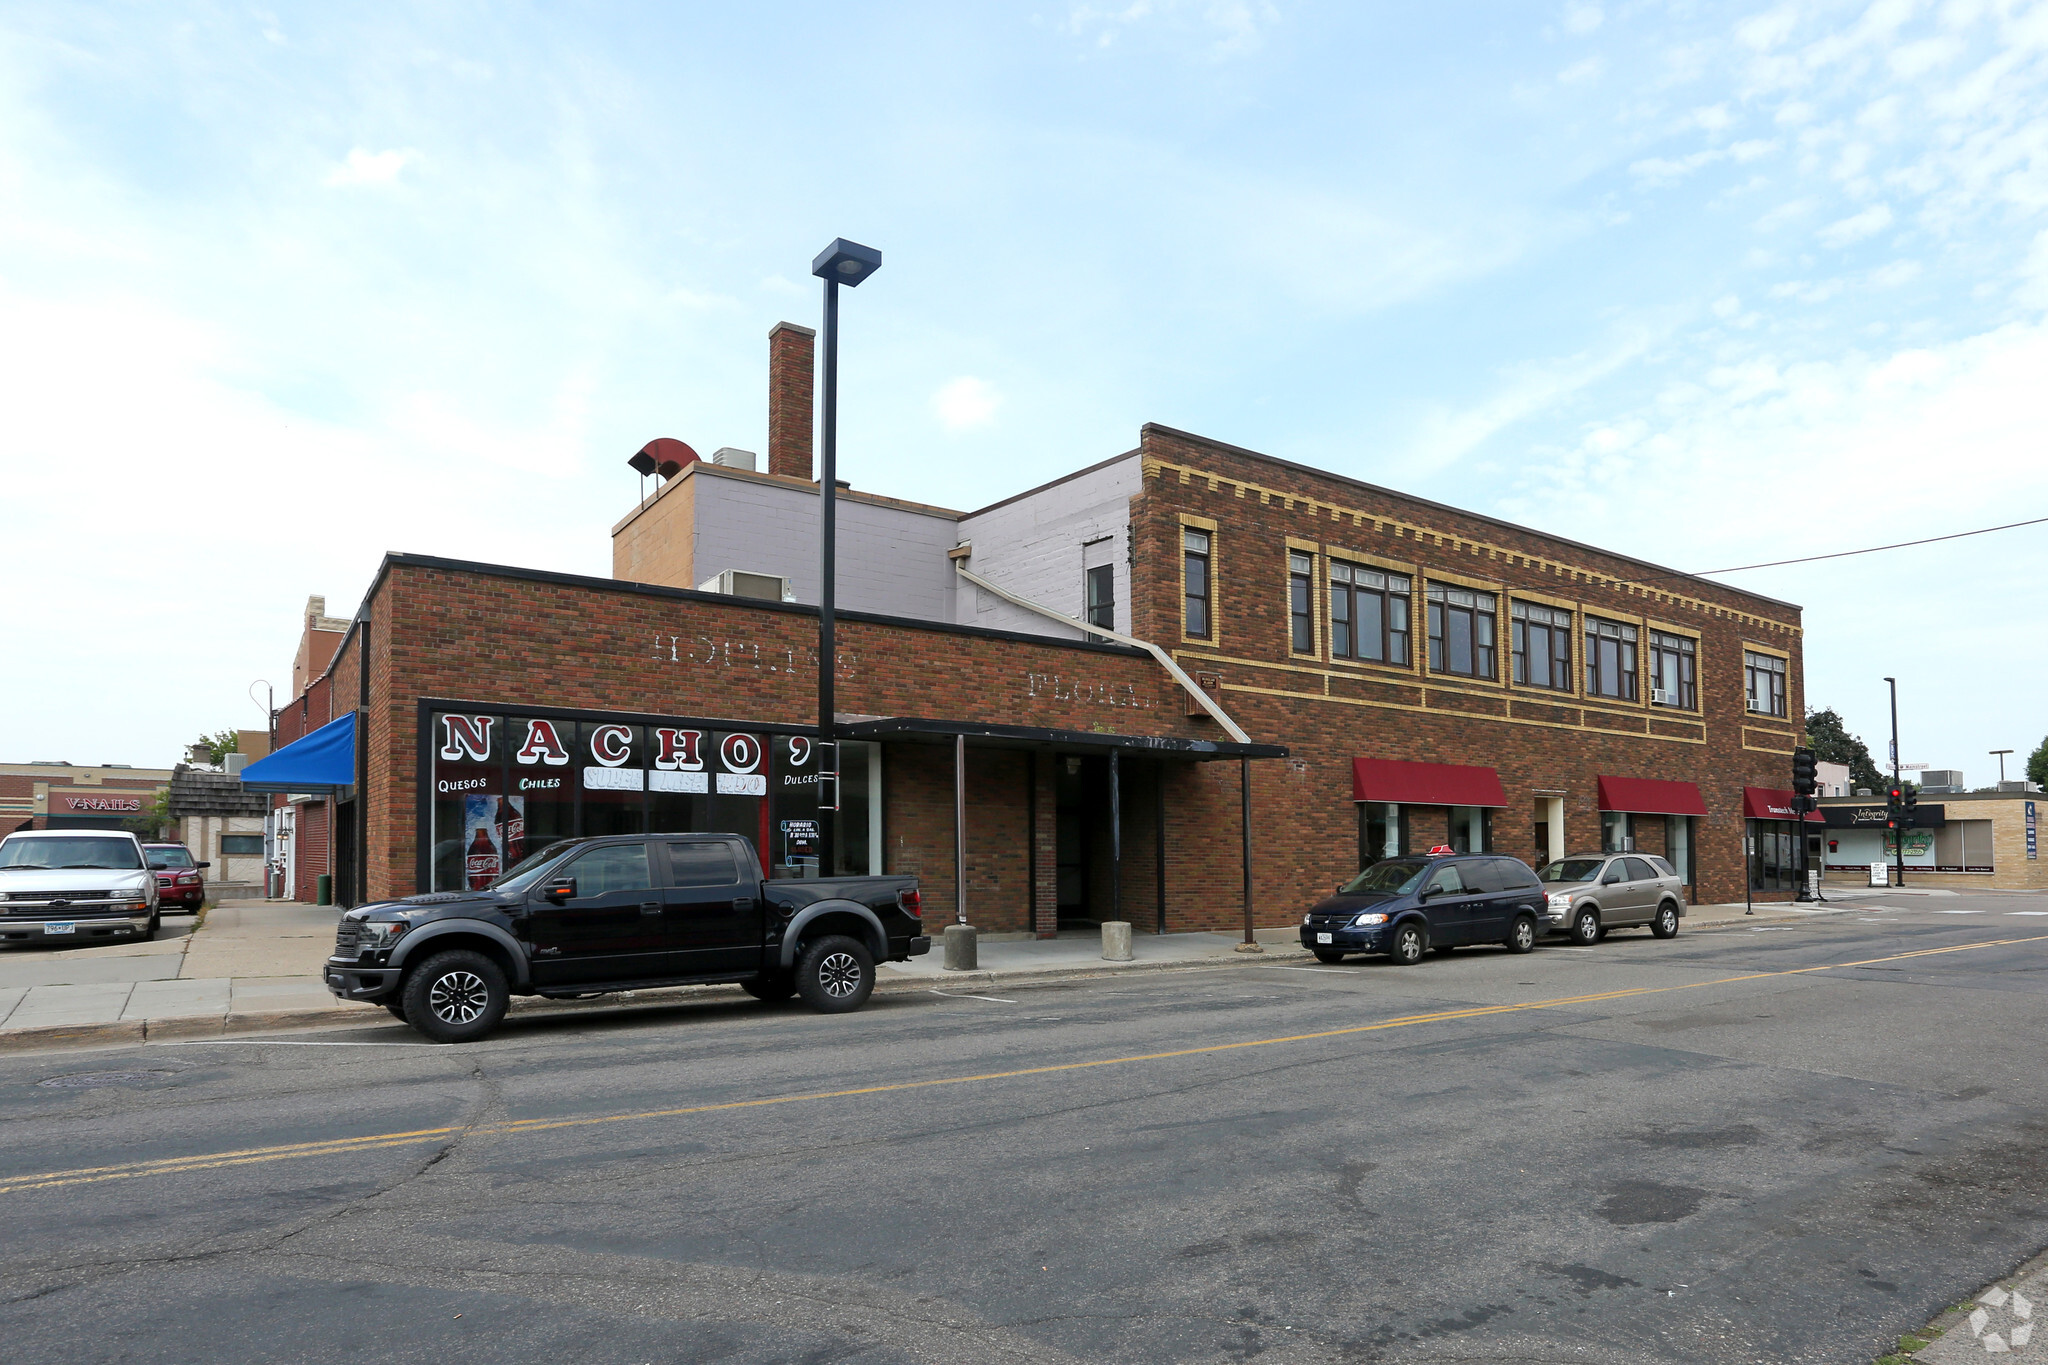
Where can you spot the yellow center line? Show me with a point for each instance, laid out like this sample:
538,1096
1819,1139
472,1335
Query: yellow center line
90,1175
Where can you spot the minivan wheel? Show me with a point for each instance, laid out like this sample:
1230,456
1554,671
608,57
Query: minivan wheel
1328,955
1523,938
1409,945
1666,923
835,975
1586,928
455,997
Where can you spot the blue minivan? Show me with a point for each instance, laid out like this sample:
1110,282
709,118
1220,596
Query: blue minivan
1404,907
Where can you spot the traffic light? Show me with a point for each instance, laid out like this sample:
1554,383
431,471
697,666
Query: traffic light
1909,802
1894,808
1802,772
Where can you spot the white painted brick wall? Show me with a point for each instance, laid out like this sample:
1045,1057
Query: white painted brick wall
1034,547
891,560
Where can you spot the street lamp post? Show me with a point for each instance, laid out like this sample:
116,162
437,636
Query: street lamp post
1899,839
846,263
2000,754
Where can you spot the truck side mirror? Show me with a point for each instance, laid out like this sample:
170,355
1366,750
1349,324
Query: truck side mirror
1611,879
202,864
558,889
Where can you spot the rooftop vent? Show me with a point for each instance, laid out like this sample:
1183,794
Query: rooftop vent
731,457
664,455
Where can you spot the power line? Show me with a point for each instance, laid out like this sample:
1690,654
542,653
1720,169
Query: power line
1871,550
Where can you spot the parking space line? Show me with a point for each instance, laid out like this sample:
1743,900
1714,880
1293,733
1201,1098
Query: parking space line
339,1146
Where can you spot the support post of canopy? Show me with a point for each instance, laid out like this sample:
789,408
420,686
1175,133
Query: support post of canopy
1116,836
960,829
1244,794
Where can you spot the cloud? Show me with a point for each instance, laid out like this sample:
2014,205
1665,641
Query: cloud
1222,28
364,167
964,403
1579,72
1582,18
1856,227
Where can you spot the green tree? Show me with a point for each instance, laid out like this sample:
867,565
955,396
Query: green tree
220,744
1831,742
2037,765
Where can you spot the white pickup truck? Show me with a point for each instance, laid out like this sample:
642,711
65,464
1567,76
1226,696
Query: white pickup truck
75,886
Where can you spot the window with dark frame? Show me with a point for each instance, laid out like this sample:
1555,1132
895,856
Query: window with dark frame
1195,583
1672,671
1301,620
1461,631
1610,659
1541,640
1101,596
1368,614
1763,678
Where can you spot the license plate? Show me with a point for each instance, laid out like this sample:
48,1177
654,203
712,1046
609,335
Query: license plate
1326,938
61,926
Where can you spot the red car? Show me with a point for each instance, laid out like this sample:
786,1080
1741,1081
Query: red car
180,887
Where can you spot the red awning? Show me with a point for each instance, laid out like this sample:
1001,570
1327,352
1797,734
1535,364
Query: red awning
1768,803
1650,796
1425,784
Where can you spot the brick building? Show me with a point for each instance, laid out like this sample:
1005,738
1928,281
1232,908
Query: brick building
1110,655
60,795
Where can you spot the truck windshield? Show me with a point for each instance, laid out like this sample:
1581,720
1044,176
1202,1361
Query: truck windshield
531,868
169,857
26,852
1397,875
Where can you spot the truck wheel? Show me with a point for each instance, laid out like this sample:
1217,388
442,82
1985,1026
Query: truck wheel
771,989
1586,928
156,922
397,1008
835,974
1666,923
1409,944
455,997
1328,955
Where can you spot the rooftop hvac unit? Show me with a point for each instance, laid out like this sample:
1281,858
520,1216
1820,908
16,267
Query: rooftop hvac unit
1950,778
763,587
731,457
1663,696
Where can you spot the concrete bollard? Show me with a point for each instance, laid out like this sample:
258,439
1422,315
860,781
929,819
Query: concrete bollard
1116,941
960,948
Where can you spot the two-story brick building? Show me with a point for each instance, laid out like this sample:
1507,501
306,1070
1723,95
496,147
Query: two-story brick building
1111,655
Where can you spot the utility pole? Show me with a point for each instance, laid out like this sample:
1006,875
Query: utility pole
1899,840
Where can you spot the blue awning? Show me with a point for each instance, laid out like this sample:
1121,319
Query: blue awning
318,764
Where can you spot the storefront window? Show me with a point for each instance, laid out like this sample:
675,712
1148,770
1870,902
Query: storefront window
1615,836
1773,864
1471,829
507,786
1678,845
610,760
1382,833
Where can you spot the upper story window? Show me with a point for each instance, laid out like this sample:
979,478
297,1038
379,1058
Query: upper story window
1461,624
1610,659
1101,596
1301,620
1368,614
1763,678
1542,645
1195,585
1671,671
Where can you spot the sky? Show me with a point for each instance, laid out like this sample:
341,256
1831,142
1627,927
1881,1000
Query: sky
283,288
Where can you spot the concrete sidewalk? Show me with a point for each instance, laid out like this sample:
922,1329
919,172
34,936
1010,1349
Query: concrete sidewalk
255,966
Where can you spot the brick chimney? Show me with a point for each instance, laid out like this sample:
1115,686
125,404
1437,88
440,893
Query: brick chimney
792,368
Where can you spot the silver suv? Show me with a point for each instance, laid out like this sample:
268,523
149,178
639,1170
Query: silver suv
75,886
1589,893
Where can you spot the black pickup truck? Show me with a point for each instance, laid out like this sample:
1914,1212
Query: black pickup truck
624,912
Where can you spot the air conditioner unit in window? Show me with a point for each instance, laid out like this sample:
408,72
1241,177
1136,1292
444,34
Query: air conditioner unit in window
765,587
1663,697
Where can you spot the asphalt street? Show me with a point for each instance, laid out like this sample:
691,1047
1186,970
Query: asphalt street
1723,1148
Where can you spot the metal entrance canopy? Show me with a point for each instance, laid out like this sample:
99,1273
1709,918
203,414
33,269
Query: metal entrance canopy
901,729
916,729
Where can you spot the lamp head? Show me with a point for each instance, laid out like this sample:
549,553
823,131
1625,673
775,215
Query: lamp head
846,262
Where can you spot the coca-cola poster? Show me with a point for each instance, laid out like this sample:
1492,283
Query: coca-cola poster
493,836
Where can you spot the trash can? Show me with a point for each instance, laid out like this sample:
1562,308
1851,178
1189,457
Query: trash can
323,889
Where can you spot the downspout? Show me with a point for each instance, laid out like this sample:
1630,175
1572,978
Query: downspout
1180,676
